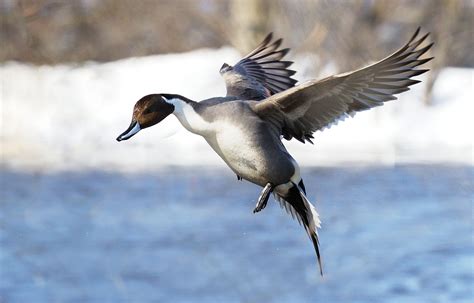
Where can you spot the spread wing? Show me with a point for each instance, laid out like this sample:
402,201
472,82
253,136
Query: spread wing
315,105
261,73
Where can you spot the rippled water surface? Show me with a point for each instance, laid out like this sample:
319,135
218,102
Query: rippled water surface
390,234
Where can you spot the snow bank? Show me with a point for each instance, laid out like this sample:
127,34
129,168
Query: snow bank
67,117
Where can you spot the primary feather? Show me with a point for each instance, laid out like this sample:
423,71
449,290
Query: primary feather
261,73
300,111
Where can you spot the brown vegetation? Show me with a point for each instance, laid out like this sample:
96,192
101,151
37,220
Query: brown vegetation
53,31
348,33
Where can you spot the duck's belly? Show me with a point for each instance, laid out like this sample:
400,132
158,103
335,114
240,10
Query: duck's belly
256,160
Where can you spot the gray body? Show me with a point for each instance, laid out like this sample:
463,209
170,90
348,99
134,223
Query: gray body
246,143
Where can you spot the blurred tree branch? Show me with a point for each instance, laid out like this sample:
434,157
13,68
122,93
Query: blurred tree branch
343,34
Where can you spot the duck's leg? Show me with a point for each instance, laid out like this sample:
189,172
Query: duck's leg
263,198
239,178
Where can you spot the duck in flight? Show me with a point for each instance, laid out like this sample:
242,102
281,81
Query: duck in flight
264,105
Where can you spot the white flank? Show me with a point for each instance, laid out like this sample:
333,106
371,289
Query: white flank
314,222
296,178
313,217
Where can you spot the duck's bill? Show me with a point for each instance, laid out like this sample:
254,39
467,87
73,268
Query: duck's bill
131,130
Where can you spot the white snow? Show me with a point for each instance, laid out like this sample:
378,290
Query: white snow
68,116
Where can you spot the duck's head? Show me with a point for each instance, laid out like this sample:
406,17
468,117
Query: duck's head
147,112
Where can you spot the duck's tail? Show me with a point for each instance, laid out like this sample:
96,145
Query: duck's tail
296,204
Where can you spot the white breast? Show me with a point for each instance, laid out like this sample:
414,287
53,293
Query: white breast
229,141
236,147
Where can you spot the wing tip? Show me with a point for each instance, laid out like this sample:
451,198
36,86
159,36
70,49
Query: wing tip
260,62
267,39
414,35
277,43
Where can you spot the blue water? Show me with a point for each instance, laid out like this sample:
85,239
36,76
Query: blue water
390,234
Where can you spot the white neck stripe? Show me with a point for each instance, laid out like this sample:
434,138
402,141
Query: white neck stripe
174,101
188,117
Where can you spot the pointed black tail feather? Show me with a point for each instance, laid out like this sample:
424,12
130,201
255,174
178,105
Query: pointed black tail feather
297,205
315,240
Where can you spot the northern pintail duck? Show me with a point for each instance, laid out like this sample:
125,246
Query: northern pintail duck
263,105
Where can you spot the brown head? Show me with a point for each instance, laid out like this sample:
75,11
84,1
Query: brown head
147,112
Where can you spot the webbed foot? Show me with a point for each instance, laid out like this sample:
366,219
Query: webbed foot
263,198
